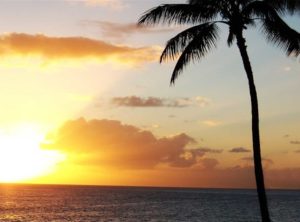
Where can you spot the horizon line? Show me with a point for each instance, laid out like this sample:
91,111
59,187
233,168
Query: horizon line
140,186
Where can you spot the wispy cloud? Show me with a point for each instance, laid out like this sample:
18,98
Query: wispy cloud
266,161
111,4
55,48
121,30
295,142
209,163
136,101
209,150
211,123
287,68
151,127
239,150
202,101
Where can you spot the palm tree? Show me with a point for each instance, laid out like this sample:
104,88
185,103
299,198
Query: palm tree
195,42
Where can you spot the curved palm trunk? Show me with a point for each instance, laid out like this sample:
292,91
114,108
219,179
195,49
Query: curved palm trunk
260,186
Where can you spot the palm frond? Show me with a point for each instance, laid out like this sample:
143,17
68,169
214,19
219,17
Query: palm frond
178,14
280,34
259,9
198,47
282,6
274,28
178,43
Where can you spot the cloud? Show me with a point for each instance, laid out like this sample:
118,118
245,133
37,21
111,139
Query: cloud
112,144
52,48
136,157
295,142
202,101
297,151
209,163
211,123
135,101
239,150
267,162
152,126
210,150
111,4
121,30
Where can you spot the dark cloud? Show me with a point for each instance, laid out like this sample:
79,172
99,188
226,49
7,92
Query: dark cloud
121,30
72,48
209,150
136,101
297,151
111,143
295,142
192,156
239,150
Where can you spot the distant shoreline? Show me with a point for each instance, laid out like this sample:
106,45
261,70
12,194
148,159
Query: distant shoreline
140,187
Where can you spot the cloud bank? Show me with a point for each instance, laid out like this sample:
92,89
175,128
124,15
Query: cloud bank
72,48
113,144
110,146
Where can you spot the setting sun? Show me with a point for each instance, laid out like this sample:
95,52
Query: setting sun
21,157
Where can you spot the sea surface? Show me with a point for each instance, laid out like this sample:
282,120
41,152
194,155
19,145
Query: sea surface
42,203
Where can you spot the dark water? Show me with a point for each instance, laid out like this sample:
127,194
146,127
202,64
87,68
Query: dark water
42,203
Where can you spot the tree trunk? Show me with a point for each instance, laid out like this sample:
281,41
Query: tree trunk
260,186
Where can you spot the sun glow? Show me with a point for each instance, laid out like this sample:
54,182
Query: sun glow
21,157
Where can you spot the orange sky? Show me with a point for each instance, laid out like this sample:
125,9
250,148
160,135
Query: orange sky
85,101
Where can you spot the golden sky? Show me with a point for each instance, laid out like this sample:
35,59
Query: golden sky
85,101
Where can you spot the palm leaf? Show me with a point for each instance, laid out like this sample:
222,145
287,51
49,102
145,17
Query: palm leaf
283,6
259,9
279,33
178,43
275,29
199,46
178,14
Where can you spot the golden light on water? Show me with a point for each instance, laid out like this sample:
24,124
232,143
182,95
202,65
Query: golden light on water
21,157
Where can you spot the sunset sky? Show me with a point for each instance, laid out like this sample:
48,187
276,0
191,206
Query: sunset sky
84,100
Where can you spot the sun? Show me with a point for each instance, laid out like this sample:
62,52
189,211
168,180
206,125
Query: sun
21,157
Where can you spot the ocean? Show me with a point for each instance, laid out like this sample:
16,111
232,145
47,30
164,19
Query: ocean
59,203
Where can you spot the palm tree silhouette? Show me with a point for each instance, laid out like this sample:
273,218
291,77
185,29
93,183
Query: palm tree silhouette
194,43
